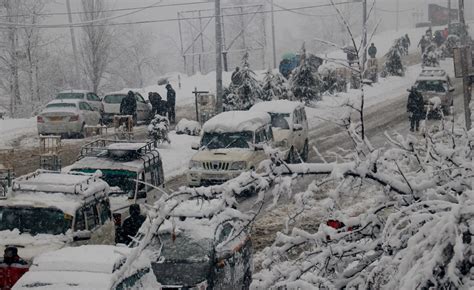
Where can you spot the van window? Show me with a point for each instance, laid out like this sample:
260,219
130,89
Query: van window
104,211
92,217
303,115
93,97
85,107
297,117
260,136
80,221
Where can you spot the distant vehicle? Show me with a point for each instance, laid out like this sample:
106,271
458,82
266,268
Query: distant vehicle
290,61
434,83
91,267
126,166
201,252
86,96
289,126
45,211
111,103
232,142
67,117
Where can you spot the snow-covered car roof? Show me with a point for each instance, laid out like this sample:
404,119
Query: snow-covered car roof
236,121
103,163
88,258
432,74
64,191
279,106
74,91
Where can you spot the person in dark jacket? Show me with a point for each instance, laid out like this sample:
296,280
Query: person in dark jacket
235,78
171,103
155,100
128,106
415,108
372,51
423,44
132,224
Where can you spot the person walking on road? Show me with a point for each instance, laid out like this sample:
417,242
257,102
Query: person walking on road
171,102
372,51
415,108
423,44
132,224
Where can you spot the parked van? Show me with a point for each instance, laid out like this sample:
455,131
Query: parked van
289,126
232,142
45,211
130,168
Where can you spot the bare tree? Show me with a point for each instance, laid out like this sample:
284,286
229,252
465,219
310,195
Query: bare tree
96,42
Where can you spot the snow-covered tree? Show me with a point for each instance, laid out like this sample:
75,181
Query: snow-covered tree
274,86
393,65
304,83
159,128
244,89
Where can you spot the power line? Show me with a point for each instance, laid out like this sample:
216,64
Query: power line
109,10
82,24
302,13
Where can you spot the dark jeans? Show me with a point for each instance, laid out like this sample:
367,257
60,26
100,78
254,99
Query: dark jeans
171,114
414,123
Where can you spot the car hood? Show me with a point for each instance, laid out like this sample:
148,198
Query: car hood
224,155
186,274
31,246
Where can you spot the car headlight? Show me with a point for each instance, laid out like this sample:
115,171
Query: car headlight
195,164
239,165
282,143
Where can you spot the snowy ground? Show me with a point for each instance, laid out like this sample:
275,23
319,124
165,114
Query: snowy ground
176,155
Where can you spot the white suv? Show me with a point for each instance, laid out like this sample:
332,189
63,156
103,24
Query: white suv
289,126
232,142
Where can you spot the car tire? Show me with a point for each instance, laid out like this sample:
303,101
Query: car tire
305,152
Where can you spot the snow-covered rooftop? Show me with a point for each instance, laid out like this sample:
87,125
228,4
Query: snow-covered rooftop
279,106
236,121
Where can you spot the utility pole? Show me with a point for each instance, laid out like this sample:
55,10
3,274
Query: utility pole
219,91
364,33
465,67
449,15
74,47
273,36
398,14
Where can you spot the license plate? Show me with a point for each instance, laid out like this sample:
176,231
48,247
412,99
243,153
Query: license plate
55,118
215,176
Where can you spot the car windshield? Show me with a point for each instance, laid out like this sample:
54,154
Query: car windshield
61,105
279,120
227,140
183,248
34,220
116,178
69,96
431,86
113,99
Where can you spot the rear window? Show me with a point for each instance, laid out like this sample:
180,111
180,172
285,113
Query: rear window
113,99
69,96
61,105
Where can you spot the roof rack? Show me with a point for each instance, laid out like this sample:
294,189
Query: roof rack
28,183
432,72
101,146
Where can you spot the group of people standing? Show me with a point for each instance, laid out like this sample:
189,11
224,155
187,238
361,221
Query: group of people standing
167,108
162,107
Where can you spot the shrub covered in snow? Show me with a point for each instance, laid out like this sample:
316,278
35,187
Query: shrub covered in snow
332,79
159,128
393,65
304,83
274,87
244,89
188,127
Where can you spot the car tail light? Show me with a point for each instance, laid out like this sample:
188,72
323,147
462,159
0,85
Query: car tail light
74,118
39,119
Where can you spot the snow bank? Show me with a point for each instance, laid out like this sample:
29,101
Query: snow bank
189,127
176,155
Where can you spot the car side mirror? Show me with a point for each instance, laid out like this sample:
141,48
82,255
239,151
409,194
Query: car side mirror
297,127
451,90
195,146
81,236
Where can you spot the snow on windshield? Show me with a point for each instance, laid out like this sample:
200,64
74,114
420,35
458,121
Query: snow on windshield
227,140
432,86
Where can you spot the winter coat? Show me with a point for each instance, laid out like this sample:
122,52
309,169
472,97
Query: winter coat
130,227
415,104
128,106
171,97
372,51
155,100
10,273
